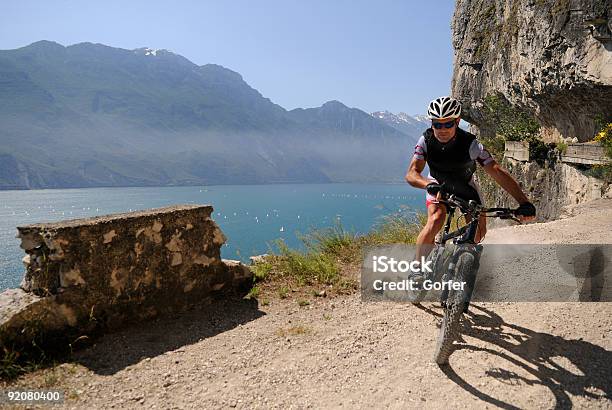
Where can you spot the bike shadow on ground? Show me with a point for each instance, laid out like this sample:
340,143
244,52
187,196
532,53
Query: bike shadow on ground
538,354
117,350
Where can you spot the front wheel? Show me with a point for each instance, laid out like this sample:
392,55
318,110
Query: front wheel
440,256
453,309
418,295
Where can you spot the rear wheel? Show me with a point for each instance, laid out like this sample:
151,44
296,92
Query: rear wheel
453,310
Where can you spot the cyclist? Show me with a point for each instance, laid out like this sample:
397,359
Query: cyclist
451,154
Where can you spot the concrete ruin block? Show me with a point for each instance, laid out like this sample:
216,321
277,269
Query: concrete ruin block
241,274
25,317
258,258
109,270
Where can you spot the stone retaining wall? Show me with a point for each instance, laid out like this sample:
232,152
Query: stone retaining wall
93,274
552,188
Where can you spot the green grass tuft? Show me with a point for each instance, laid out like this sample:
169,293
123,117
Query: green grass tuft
328,252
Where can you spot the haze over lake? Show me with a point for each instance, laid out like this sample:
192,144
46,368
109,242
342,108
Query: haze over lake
251,216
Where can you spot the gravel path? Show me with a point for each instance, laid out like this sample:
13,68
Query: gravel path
585,223
342,352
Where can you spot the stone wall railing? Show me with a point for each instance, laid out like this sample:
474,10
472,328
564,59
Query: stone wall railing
99,273
551,188
588,154
518,150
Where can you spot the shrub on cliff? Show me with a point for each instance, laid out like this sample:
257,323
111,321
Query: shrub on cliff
509,122
604,137
504,122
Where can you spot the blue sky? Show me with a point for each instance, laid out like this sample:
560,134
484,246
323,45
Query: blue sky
373,55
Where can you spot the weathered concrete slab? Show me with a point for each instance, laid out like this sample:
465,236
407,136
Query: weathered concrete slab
102,272
588,154
518,150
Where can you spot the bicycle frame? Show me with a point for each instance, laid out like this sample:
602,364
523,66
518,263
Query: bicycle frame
464,264
467,233
464,236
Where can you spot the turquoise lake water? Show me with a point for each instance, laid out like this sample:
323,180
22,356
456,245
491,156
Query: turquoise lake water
251,216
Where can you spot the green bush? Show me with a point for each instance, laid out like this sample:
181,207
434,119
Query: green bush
395,228
307,267
334,240
507,121
604,137
504,122
562,147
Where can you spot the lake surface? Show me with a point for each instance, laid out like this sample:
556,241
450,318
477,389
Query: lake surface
251,216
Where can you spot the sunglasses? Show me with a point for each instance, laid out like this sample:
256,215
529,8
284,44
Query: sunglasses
440,125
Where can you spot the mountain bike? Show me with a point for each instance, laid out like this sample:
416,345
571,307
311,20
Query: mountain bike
457,263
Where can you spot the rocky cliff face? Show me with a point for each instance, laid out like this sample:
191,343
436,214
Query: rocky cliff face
550,57
552,188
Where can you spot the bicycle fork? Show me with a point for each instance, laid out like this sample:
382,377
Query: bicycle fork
470,281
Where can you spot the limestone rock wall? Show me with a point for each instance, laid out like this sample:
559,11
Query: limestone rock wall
99,273
552,188
551,57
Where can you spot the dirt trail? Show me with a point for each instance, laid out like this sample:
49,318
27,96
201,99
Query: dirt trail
584,223
342,352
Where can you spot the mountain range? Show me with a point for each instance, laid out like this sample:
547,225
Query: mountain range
409,125
93,115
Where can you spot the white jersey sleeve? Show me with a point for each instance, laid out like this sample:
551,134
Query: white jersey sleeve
479,153
420,149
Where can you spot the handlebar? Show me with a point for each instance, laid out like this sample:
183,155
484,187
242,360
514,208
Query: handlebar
472,207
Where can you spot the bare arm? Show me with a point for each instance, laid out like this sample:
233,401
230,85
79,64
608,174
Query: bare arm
413,175
506,181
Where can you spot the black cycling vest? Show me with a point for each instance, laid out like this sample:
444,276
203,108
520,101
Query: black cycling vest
450,162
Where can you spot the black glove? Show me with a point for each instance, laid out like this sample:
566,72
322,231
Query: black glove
526,209
433,188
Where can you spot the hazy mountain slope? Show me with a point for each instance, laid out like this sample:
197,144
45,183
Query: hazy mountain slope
93,115
411,126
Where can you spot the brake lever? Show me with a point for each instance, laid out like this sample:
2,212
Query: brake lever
503,215
514,218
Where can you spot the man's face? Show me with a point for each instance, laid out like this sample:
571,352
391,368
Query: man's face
441,132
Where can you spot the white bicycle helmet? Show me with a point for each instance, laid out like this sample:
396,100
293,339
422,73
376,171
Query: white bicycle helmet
444,107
